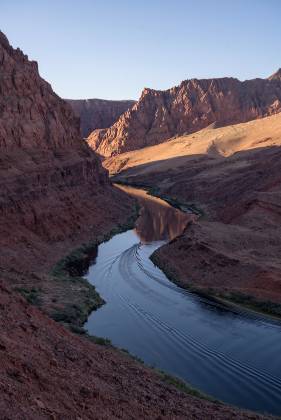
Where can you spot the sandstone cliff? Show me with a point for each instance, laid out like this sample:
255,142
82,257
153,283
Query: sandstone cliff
98,113
189,107
53,190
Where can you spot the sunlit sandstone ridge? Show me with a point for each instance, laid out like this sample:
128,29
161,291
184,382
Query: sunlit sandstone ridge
187,108
210,142
54,194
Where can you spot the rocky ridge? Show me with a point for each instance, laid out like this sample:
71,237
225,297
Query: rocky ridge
53,187
187,108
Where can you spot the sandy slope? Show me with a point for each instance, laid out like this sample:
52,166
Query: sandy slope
213,142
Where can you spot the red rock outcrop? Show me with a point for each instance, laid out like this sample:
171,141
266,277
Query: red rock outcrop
189,107
52,185
53,189
98,113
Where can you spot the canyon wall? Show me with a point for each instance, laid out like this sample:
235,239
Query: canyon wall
53,189
187,108
98,113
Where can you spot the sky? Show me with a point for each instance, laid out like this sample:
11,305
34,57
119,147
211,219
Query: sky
112,49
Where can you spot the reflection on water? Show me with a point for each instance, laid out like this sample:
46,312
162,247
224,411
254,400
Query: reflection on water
158,220
232,356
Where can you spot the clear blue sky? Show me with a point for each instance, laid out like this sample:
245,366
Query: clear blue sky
114,48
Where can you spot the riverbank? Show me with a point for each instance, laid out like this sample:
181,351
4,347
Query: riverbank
53,373
166,378
202,335
185,207
236,299
73,267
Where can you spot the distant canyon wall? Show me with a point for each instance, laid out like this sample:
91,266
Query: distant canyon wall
187,108
98,113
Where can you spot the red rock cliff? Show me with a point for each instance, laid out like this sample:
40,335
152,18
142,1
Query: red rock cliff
52,186
189,107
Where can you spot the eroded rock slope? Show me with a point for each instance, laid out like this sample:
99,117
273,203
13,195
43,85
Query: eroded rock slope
53,190
187,108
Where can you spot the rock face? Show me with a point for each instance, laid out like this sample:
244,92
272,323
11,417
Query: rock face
98,113
53,189
189,107
32,115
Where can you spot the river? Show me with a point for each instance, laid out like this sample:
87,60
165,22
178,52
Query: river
234,356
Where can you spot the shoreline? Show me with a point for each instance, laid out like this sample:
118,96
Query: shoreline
236,300
189,208
226,299
74,266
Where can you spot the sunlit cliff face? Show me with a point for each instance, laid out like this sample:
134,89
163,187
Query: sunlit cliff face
158,220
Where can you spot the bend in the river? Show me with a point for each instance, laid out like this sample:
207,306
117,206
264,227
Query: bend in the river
232,356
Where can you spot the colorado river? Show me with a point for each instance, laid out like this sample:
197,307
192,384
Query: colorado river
233,356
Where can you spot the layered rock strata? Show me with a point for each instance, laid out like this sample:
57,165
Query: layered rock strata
187,108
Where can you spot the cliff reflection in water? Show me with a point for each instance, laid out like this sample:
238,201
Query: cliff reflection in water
158,220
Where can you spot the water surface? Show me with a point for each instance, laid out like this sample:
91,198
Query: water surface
233,356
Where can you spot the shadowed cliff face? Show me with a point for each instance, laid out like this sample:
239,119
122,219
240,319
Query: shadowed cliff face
98,113
189,107
32,115
53,189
